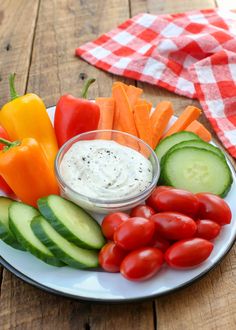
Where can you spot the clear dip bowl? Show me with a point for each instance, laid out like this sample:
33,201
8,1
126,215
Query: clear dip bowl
103,206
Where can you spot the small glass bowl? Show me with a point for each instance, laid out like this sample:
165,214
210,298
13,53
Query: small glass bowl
104,206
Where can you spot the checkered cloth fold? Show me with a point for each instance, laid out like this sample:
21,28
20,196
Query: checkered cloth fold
191,54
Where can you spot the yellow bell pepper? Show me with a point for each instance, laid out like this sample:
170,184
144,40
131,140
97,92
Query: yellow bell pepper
26,116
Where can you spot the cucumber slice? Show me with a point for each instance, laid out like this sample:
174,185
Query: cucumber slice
20,217
68,252
198,144
173,139
72,222
197,170
195,143
5,233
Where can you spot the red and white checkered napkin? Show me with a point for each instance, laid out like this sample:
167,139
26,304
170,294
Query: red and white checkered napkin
192,54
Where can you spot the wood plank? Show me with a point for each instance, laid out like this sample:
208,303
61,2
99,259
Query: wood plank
15,47
24,307
138,316
54,70
154,93
17,22
63,25
211,302
207,304
168,6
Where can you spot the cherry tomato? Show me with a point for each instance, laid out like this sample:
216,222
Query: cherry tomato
188,253
143,211
177,200
207,229
214,208
110,257
111,222
159,242
141,264
134,233
151,201
174,226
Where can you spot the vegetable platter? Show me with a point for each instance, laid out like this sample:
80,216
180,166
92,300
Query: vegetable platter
70,257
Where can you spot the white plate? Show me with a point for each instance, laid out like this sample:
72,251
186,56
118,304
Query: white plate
107,287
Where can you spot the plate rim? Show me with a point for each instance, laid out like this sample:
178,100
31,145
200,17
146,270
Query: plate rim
47,289
83,299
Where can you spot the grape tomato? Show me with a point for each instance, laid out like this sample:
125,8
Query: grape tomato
174,226
134,233
142,264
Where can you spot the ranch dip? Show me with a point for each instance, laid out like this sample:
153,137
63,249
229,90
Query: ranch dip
105,170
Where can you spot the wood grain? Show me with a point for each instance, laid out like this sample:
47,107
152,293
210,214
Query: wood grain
211,302
168,6
155,93
207,304
17,23
63,25
51,71
24,307
15,50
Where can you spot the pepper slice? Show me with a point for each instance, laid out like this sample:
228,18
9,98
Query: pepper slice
25,168
26,116
3,185
74,116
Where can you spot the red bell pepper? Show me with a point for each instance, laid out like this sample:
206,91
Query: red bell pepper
3,185
74,116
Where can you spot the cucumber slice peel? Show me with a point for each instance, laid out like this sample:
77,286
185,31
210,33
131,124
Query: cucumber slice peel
198,144
197,170
172,140
71,222
20,217
5,233
69,253
195,143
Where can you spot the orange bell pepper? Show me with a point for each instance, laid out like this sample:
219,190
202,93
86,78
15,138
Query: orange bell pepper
25,168
26,116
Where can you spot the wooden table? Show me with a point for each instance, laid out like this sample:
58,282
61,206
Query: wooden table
37,41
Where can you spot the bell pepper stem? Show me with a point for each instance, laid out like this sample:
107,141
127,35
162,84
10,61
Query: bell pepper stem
13,92
9,144
6,142
88,83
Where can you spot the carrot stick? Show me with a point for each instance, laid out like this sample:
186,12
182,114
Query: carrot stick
116,83
116,124
117,127
159,120
143,123
123,109
186,118
107,110
118,137
200,130
143,101
133,94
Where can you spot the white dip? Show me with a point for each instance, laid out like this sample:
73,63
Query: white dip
105,169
